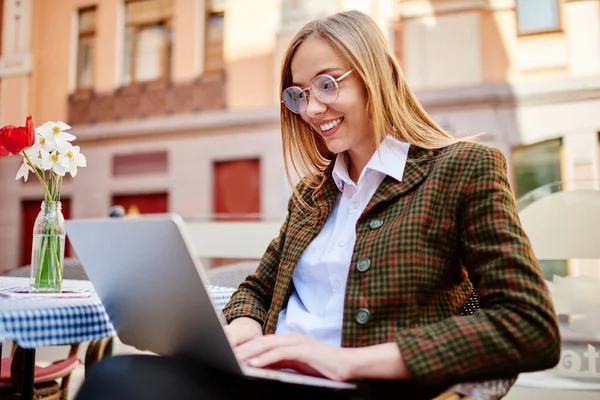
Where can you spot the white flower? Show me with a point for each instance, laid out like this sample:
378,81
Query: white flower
54,132
51,161
70,158
23,171
41,143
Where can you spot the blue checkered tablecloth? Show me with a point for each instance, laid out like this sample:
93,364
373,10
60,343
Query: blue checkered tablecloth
46,321
219,296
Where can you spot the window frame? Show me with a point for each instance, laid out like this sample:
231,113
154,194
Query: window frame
210,12
514,149
88,33
563,177
557,29
135,28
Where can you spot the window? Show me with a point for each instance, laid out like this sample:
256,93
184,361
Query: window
213,53
148,40
86,38
535,166
537,16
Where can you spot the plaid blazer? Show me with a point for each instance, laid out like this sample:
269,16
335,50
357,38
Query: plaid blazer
422,244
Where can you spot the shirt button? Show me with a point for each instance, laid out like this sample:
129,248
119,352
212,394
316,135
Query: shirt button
336,284
375,224
362,316
355,205
363,264
342,243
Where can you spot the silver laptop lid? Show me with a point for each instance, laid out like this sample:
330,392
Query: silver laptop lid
152,287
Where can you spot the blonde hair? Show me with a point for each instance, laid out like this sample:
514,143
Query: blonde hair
392,105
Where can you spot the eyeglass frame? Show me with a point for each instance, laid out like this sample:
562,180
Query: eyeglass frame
306,89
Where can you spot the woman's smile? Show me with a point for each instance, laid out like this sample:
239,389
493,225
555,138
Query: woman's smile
330,127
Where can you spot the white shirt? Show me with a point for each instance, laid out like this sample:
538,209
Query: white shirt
316,307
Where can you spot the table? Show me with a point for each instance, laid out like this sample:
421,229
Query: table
37,322
43,321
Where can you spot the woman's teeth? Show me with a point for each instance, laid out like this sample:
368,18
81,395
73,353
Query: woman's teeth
330,125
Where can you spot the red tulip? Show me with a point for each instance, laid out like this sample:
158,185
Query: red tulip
14,139
3,151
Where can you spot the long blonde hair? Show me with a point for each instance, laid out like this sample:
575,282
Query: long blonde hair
392,105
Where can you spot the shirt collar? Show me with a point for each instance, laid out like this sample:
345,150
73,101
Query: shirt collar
389,159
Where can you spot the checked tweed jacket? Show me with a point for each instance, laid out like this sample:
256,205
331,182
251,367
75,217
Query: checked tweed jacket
422,244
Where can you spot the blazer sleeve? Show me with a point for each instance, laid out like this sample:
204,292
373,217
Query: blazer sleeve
253,297
516,329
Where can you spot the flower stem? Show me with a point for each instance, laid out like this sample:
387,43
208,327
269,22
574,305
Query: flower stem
59,186
37,174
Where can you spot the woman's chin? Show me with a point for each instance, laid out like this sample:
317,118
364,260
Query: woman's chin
336,146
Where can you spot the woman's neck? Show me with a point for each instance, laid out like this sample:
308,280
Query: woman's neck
357,161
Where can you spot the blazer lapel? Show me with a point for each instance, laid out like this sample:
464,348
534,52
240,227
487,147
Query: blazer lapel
418,167
308,224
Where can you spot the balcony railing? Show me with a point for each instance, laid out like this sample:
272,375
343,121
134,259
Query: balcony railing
150,99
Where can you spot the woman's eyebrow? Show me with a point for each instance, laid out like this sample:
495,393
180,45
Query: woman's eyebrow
323,71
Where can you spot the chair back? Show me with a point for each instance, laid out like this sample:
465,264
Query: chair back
564,225
231,239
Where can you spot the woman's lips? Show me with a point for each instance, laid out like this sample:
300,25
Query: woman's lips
332,131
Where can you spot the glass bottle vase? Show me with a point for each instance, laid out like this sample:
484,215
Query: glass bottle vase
48,250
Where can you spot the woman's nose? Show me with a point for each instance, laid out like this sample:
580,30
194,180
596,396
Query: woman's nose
315,106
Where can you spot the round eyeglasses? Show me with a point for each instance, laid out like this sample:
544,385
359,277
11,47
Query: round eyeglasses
324,87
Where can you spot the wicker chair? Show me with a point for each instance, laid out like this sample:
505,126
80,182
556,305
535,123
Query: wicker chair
45,384
72,269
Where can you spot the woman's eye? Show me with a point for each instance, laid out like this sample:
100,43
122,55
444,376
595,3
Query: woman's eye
328,86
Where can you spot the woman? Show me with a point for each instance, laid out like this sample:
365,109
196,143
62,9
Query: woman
392,227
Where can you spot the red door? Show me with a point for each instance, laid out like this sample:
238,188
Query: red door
236,195
237,190
29,211
154,203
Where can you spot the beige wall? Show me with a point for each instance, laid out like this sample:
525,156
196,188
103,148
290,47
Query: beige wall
456,43
15,99
51,61
474,73
190,32
251,37
54,48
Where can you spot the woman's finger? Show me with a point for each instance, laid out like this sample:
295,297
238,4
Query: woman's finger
259,345
287,355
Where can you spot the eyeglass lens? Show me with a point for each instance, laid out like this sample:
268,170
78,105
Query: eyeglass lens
324,87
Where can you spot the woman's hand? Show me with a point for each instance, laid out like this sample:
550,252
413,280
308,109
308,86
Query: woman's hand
299,352
241,330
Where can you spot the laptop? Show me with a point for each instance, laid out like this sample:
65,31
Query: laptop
154,291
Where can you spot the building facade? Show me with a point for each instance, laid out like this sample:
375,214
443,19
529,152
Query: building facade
175,103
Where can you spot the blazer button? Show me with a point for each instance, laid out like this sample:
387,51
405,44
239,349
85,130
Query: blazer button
362,316
363,264
375,223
